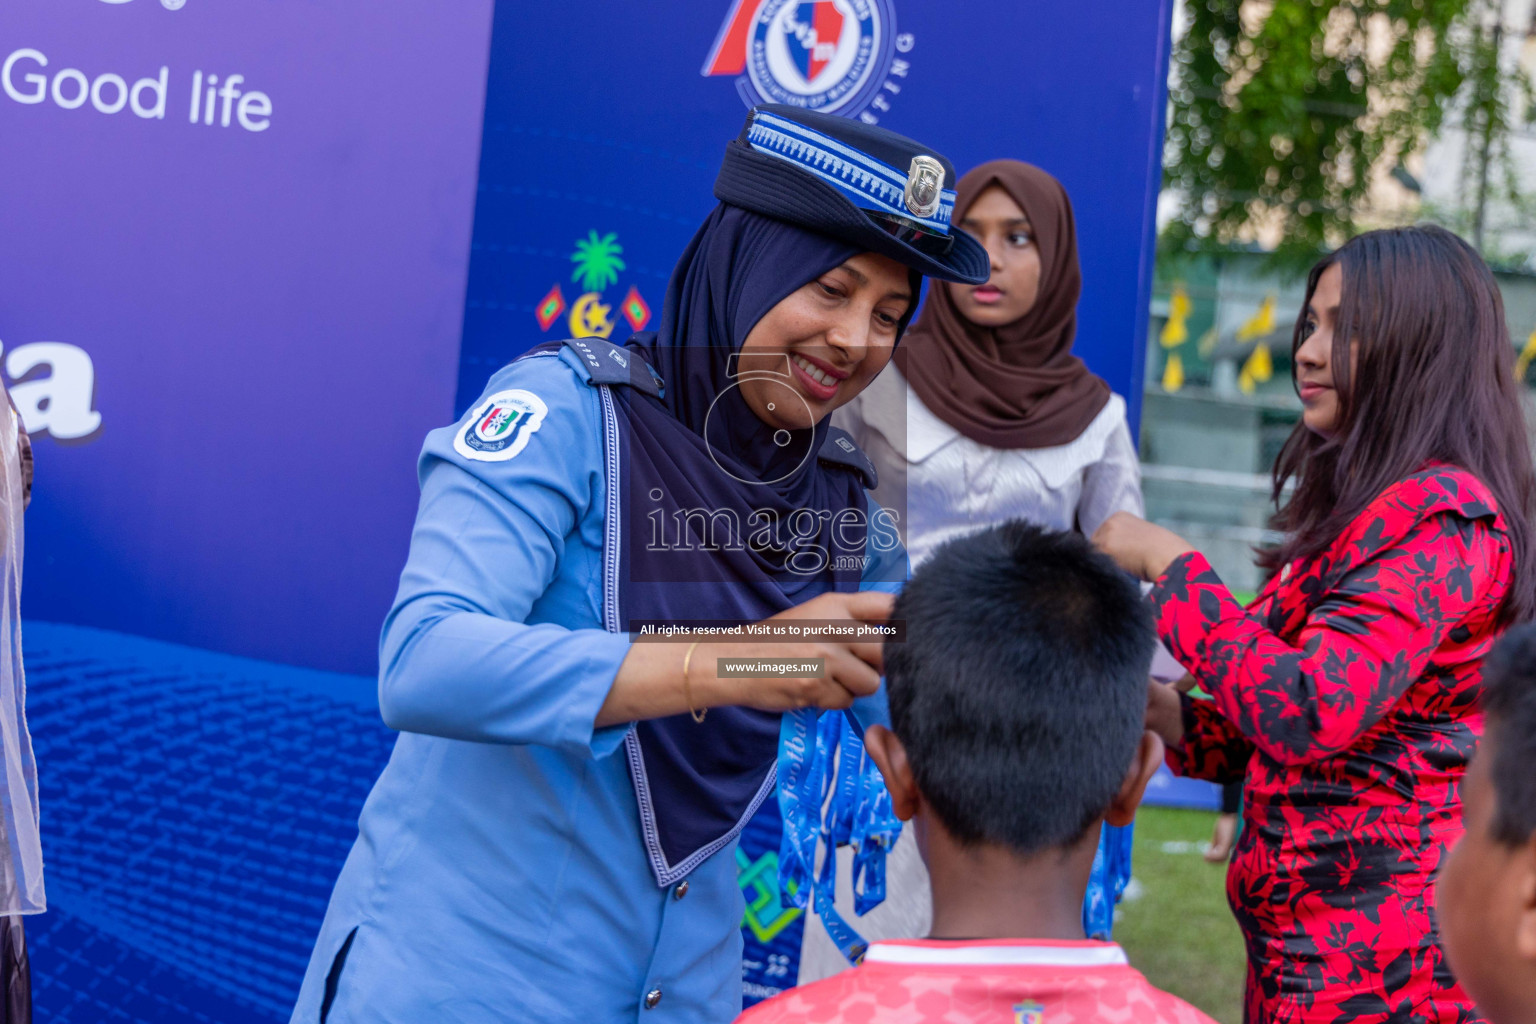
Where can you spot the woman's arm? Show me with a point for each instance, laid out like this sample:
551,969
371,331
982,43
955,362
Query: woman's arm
458,657
1201,743
1362,646
650,682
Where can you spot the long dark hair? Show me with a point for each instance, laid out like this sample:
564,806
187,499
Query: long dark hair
1436,384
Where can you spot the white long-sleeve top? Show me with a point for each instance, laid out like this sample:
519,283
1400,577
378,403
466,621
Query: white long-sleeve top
944,484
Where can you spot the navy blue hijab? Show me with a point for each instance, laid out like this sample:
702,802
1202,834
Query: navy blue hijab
724,523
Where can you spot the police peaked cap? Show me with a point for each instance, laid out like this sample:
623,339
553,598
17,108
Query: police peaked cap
854,182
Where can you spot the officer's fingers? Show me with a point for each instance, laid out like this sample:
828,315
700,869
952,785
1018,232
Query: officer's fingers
843,678
870,652
869,605
804,691
822,606
832,697
854,675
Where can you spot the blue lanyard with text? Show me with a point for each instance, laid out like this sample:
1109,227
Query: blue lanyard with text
859,814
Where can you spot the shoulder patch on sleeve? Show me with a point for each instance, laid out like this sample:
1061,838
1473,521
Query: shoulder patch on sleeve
501,426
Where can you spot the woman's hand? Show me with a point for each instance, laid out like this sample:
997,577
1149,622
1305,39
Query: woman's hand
1140,548
1222,838
650,682
1165,712
851,667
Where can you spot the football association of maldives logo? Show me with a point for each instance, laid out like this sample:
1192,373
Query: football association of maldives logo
837,56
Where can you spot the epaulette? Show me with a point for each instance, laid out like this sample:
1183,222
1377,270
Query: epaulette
839,450
608,363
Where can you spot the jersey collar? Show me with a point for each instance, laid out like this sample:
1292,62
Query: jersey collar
997,953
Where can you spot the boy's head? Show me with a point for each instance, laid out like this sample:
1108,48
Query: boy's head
1486,893
1018,696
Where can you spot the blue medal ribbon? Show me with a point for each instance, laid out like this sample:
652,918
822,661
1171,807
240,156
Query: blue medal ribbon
875,834
1106,884
858,814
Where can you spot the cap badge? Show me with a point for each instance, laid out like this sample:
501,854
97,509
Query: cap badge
925,180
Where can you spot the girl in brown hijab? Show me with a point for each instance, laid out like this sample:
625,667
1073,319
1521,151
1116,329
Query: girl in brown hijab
995,360
988,416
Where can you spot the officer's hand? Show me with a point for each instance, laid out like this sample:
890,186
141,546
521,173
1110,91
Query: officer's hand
851,666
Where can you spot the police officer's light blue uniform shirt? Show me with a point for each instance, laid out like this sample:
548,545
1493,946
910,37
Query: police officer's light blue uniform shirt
499,873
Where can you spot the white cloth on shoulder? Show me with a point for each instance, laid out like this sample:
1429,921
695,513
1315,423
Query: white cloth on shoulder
21,855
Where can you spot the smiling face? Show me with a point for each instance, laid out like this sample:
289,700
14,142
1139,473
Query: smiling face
1002,227
824,342
1313,361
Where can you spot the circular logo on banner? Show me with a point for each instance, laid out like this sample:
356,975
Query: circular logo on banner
819,54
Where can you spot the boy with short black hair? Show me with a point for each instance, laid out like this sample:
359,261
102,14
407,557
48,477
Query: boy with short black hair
1018,702
1486,893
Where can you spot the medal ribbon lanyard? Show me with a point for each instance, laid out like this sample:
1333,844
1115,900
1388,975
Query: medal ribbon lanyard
859,814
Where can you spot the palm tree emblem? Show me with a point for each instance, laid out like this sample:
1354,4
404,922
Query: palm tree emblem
597,260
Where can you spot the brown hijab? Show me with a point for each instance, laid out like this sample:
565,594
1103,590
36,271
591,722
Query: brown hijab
1019,385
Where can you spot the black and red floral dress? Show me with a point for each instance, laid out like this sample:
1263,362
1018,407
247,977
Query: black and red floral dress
1347,694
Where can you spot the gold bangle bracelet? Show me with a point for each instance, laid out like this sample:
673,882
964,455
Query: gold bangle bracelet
698,716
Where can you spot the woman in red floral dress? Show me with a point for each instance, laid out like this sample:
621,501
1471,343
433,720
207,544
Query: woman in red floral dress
1347,692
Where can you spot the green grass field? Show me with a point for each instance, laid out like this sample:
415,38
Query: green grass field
1176,926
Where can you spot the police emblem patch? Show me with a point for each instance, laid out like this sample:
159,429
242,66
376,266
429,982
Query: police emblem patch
925,182
501,426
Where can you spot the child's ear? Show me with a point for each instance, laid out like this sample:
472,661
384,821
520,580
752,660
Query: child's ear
891,758
1525,934
1149,754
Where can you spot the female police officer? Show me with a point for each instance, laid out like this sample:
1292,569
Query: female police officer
553,837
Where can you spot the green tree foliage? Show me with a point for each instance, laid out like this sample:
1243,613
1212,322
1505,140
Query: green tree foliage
1282,112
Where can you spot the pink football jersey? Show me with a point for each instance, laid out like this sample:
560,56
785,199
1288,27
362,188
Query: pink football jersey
995,982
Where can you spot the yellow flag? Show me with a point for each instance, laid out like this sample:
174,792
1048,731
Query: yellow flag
1261,323
1173,373
1526,355
1176,331
1259,363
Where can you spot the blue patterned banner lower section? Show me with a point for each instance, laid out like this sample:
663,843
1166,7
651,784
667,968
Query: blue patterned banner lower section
196,809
